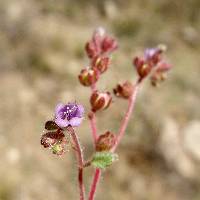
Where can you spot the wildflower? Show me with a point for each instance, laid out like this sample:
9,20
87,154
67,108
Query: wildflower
100,100
70,114
124,90
105,142
88,76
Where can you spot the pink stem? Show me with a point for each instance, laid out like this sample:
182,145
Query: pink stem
93,87
127,116
93,127
79,155
122,129
93,120
95,181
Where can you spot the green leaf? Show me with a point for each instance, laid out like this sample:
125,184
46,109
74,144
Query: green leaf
103,159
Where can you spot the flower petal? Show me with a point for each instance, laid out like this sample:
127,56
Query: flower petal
58,108
80,111
76,121
61,123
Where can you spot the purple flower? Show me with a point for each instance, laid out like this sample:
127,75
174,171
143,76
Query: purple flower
150,52
70,114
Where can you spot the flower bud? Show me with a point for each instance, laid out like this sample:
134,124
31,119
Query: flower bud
109,44
124,90
100,100
91,49
138,62
160,73
88,76
163,67
105,142
143,69
101,64
156,78
100,44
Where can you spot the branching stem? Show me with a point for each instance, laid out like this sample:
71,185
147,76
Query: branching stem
124,124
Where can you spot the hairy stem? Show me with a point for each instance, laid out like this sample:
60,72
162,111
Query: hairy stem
95,181
92,119
127,116
79,155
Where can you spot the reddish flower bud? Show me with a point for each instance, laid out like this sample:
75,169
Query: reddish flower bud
100,44
109,44
106,141
100,100
152,57
143,69
160,73
88,76
138,62
124,90
163,67
101,64
91,49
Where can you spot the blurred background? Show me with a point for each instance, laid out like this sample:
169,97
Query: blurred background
42,52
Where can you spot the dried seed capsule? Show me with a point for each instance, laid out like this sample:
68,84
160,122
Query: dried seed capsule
124,90
50,138
105,141
56,141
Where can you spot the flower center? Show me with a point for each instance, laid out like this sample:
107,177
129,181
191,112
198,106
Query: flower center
69,112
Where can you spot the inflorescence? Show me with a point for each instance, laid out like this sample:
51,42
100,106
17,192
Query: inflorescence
60,130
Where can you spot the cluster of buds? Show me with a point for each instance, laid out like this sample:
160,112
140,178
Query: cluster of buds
98,50
150,62
105,142
124,90
100,44
100,100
